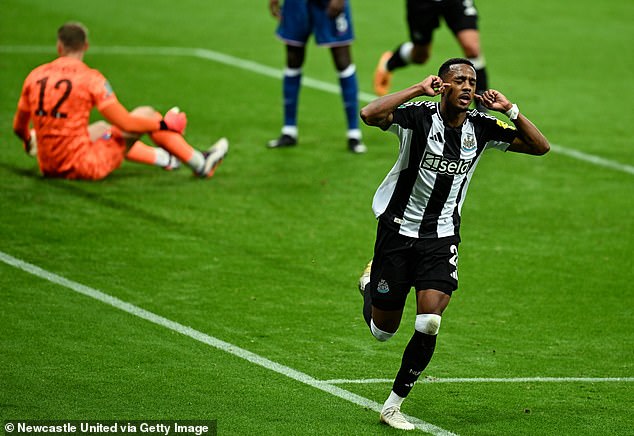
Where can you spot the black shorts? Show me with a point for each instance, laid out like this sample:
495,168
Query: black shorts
423,17
401,262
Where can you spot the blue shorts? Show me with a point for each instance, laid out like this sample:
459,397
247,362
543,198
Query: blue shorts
300,18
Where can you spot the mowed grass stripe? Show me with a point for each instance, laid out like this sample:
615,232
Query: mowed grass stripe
210,340
276,73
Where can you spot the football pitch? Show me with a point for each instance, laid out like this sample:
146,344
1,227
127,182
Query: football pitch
154,295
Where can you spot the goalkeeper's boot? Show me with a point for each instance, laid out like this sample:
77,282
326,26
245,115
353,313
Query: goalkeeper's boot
365,278
382,77
213,158
393,417
283,141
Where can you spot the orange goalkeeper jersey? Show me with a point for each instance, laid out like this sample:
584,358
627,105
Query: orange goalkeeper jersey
59,97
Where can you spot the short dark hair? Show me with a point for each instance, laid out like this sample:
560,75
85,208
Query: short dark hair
72,35
444,68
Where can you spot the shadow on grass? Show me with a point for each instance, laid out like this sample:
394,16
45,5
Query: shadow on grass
77,188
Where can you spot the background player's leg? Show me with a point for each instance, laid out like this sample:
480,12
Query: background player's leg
291,84
349,85
469,40
408,53
422,19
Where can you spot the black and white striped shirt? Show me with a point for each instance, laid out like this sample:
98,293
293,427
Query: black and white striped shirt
423,193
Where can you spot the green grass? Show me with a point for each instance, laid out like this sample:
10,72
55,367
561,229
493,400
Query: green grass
266,254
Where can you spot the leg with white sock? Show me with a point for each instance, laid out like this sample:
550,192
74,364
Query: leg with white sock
383,325
202,163
401,56
469,40
417,355
145,154
291,85
171,142
347,72
482,81
137,151
349,95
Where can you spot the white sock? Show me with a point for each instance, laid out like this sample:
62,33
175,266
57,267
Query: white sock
354,134
478,63
348,71
393,400
290,131
406,51
162,158
197,161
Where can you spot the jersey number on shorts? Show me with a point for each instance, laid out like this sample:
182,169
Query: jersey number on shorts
55,111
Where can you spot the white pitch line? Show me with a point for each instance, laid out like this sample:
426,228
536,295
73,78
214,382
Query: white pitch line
590,158
276,73
211,341
431,380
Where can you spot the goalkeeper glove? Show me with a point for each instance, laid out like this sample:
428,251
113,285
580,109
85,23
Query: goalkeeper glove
30,145
174,120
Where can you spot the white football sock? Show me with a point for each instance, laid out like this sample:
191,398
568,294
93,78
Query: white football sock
393,400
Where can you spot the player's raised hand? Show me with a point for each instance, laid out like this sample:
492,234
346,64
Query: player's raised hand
174,120
494,100
432,86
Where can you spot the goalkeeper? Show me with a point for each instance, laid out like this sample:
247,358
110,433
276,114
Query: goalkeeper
57,98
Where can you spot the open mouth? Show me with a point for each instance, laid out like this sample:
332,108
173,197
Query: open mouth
465,98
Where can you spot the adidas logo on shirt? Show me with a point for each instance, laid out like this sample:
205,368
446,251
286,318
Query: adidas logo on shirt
437,137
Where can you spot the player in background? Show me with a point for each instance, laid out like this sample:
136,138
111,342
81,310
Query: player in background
418,206
423,17
57,98
331,24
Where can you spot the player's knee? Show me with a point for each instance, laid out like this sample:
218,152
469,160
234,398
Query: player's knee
145,111
100,126
379,334
295,56
97,129
428,323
